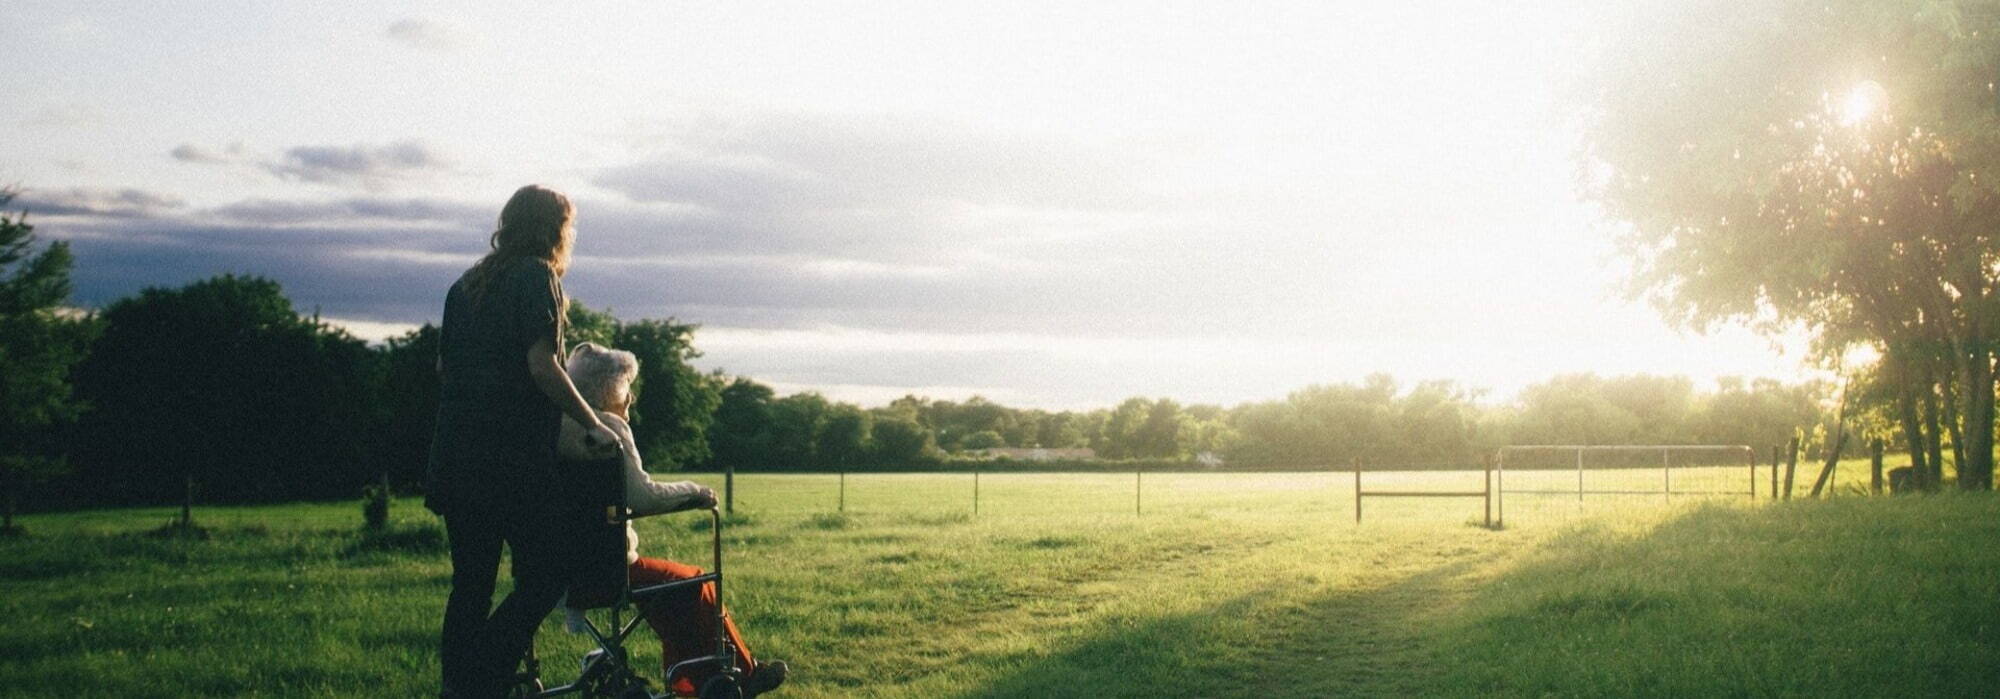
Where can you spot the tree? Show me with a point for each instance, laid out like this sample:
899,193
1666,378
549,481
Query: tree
796,422
1163,432
1832,165
1759,413
409,403
899,440
38,346
1059,431
1120,436
844,440
675,403
983,439
740,436
220,381
583,324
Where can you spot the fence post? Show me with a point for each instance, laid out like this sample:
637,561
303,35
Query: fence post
729,489
1486,467
1775,460
1138,487
1667,474
1791,466
843,492
1875,467
1579,477
1357,490
975,492
187,502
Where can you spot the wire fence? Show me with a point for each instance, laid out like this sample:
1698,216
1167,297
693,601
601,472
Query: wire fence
1523,484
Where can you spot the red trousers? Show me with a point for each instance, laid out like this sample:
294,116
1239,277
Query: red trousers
684,620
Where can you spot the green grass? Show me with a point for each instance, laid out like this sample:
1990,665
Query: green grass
1227,585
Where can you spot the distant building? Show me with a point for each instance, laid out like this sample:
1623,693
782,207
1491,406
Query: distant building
1033,454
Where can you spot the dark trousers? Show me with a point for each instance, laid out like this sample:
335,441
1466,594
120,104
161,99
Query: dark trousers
481,650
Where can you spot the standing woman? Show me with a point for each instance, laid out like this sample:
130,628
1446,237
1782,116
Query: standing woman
493,457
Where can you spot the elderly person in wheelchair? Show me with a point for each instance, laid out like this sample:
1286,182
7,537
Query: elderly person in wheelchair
685,618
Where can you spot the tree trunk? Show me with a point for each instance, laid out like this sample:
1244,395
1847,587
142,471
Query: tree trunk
1976,471
1933,435
1952,420
1913,435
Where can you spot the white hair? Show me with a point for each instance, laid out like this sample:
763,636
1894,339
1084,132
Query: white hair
601,374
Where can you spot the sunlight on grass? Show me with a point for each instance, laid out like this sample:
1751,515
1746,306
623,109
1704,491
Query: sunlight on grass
1237,585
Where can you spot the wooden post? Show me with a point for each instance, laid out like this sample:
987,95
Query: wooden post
1138,486
1875,467
1753,471
843,491
1579,477
1486,467
729,489
1666,475
1357,491
975,492
1774,470
1791,466
187,502
1825,479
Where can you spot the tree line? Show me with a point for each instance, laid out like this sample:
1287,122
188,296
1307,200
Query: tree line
223,384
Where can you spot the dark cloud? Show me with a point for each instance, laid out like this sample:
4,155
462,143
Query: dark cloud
108,203
357,210
356,163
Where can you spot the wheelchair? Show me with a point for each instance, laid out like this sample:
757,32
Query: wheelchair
596,513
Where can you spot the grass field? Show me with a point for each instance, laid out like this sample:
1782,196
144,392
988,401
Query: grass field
1227,585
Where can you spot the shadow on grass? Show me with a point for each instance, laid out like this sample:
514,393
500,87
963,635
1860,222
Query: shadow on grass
1862,597
1851,597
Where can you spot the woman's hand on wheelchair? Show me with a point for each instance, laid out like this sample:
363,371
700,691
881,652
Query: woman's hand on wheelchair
601,441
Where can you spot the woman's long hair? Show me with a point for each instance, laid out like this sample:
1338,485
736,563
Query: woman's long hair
535,223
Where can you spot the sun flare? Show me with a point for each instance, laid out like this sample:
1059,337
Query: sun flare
1862,103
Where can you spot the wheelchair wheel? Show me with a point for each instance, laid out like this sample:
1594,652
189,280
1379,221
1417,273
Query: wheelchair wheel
527,688
721,687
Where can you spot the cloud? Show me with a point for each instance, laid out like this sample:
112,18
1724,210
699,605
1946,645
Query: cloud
362,163
277,212
108,203
362,259
373,166
424,34
190,153
784,163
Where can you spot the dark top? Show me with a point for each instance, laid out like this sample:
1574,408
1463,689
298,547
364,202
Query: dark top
495,445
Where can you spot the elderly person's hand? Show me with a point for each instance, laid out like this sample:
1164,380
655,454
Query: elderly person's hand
706,498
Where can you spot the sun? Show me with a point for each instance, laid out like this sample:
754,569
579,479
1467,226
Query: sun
1862,103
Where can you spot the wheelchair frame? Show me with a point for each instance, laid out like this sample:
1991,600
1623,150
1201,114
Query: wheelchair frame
607,671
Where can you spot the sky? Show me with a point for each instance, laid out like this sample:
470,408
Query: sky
1055,205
